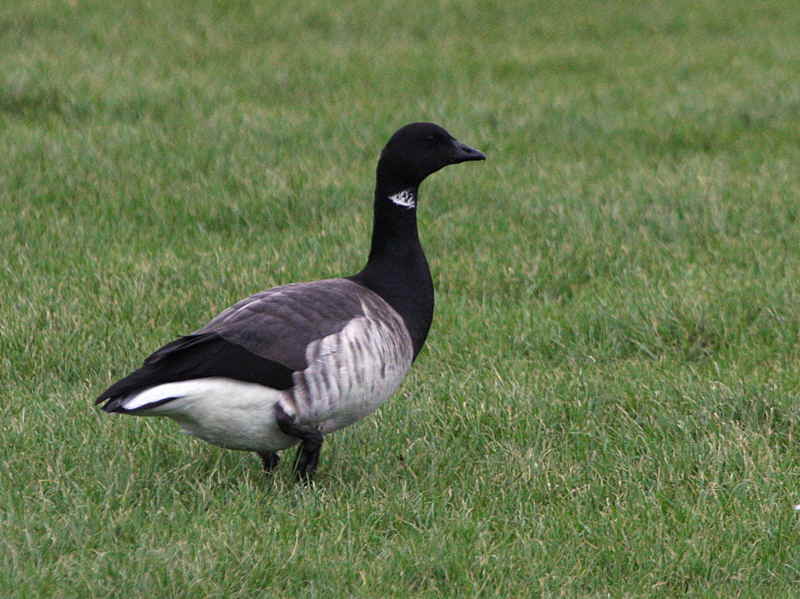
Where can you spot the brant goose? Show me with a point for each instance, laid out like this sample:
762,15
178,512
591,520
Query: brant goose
293,363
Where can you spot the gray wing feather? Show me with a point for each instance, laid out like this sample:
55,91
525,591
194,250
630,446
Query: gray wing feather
278,324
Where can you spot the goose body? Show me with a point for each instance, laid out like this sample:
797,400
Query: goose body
356,352
295,362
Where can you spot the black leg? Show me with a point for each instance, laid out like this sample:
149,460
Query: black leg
270,460
307,458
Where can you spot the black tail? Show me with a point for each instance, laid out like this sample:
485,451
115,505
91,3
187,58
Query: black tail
112,405
194,357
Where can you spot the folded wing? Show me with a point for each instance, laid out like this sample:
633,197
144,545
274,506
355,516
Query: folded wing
262,339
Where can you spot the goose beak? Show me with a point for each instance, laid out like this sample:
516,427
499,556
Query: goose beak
465,153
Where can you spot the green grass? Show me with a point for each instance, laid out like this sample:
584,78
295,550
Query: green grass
608,402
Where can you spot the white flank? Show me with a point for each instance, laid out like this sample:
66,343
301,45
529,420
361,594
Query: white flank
221,411
405,198
352,372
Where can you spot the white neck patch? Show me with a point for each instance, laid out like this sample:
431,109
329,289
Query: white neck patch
405,198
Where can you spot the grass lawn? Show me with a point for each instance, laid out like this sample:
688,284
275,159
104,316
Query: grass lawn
607,405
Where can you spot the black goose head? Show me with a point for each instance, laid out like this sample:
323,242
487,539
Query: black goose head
418,150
